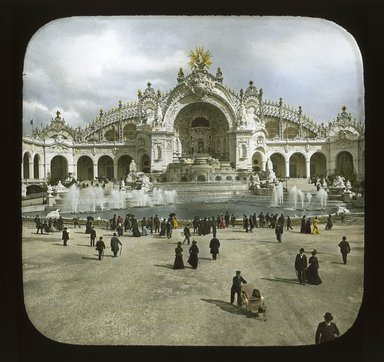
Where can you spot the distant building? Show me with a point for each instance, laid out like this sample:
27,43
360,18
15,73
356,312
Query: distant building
200,130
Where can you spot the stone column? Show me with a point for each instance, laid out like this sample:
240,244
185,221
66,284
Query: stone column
114,169
95,173
308,168
287,168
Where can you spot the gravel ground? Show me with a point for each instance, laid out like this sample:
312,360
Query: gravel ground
139,299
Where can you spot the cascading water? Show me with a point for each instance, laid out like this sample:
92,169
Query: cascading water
277,195
322,195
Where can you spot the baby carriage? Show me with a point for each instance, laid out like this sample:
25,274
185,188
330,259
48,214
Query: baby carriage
252,301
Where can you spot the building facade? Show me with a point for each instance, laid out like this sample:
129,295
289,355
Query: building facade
200,130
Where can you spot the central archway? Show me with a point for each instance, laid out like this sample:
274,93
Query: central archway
202,130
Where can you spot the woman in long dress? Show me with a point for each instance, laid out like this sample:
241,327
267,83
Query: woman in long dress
179,263
193,259
302,226
312,272
329,224
315,227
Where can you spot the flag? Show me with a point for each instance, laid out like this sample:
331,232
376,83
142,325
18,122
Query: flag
31,121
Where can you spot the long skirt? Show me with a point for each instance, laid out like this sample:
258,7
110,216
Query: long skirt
179,263
312,275
193,260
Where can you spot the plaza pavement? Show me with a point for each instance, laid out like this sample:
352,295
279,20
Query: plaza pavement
138,299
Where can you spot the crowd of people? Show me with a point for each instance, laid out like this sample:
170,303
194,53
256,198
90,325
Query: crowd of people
307,270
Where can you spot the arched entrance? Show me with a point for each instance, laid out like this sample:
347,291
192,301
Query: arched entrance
344,164
297,166
85,168
278,162
202,130
123,166
105,167
59,169
318,165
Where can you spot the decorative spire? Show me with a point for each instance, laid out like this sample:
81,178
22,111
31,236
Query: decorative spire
180,75
200,59
219,75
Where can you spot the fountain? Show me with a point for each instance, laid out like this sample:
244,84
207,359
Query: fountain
308,196
322,195
277,195
296,196
78,199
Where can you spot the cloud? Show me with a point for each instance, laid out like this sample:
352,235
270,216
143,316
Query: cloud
82,64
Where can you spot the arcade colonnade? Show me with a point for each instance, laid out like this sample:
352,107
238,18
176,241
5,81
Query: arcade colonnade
295,164
199,130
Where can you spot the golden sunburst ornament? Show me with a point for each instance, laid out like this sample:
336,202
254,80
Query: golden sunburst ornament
200,59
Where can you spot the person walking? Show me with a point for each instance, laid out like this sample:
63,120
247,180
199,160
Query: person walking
187,234
300,266
76,223
237,280
115,242
65,236
289,223
308,226
327,330
329,224
92,236
193,259
119,229
302,225
179,263
214,246
279,229
345,249
312,271
100,246
315,225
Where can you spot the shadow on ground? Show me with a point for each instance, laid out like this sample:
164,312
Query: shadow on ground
282,280
225,306
168,266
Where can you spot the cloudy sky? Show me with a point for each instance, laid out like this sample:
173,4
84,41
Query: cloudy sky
79,65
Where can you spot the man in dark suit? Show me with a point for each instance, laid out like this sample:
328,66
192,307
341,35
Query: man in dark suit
214,246
345,249
236,287
300,266
327,330
115,242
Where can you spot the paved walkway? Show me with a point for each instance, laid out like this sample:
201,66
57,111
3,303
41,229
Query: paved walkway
139,299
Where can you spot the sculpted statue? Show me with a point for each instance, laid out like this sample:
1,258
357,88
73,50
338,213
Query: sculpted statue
132,166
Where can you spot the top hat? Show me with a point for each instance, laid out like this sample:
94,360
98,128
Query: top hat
238,272
301,250
328,316
314,252
194,241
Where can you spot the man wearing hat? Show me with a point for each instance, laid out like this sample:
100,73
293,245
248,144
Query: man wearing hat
300,266
100,246
115,244
345,249
236,287
327,330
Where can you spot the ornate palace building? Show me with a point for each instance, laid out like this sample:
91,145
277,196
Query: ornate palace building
199,131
